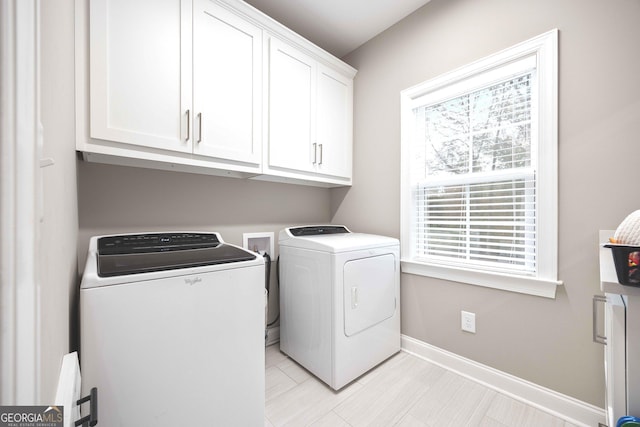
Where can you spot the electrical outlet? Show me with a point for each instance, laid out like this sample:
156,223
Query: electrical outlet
468,321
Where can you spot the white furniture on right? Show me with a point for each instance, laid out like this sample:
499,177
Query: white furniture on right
621,339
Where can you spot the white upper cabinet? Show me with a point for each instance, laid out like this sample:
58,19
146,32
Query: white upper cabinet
292,96
140,68
176,84
334,125
227,81
209,86
310,118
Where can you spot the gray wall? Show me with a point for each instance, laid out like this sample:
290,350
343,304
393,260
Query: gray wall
541,340
117,199
544,341
59,227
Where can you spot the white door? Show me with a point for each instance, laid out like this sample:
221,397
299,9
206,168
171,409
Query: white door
334,123
369,292
227,84
292,91
140,67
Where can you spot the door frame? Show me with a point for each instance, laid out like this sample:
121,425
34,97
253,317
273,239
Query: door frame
20,191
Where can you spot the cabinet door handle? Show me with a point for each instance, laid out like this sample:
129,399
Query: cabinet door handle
320,155
597,338
315,153
199,128
188,125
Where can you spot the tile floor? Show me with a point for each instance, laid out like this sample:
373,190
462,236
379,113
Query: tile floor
404,391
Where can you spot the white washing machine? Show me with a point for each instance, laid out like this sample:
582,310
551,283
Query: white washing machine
172,330
339,300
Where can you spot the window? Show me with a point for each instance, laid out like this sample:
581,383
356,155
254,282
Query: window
479,184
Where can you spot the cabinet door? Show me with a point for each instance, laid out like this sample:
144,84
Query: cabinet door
227,84
292,89
334,125
140,65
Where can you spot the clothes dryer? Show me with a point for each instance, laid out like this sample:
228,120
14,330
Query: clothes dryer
339,300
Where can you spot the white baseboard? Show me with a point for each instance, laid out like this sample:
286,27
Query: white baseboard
273,335
562,406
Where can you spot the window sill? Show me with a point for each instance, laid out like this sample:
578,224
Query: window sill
505,282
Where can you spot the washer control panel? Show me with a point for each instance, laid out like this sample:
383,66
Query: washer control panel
155,242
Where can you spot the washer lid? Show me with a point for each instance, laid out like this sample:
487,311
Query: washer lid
146,262
144,253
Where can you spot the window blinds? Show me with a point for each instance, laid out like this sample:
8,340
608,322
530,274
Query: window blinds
474,181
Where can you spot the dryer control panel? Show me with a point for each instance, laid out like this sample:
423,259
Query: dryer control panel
317,230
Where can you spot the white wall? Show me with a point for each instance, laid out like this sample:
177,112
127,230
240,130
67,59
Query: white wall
59,229
544,341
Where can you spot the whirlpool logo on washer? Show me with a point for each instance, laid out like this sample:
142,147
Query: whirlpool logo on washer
192,280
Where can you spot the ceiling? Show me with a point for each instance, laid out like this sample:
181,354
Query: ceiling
338,26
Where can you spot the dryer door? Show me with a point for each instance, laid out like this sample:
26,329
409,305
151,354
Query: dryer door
369,292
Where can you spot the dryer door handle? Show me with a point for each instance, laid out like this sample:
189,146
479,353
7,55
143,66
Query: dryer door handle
354,297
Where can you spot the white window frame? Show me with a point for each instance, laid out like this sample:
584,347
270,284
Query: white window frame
544,49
